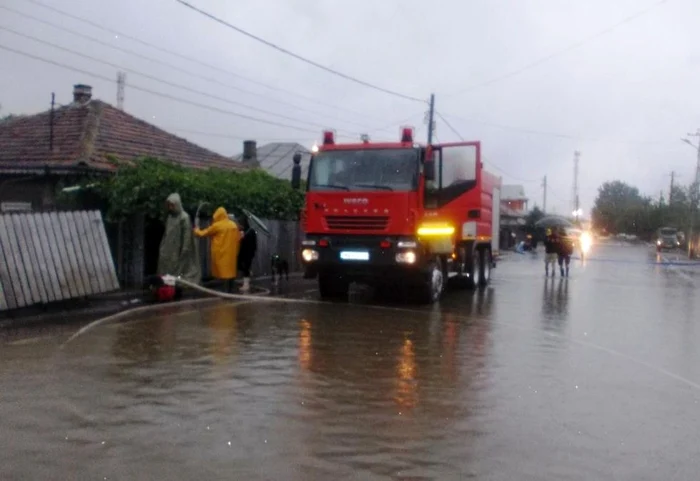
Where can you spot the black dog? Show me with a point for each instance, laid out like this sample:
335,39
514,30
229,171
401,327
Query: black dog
280,267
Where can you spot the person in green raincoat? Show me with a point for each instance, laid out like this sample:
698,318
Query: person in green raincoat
178,254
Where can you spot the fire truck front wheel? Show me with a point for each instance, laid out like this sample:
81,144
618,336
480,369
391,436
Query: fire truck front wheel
433,284
332,286
485,263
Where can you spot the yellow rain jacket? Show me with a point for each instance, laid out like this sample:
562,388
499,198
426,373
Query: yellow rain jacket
225,242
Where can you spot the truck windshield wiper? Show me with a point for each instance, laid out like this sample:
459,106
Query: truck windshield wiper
374,186
333,186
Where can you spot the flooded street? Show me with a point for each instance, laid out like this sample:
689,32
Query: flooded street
592,377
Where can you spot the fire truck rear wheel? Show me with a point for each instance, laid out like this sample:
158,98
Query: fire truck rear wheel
333,286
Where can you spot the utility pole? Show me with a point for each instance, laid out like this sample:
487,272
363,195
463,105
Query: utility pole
431,119
51,118
670,192
544,195
577,155
693,195
121,82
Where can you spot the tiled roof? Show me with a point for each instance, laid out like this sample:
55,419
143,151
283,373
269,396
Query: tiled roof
276,158
89,133
513,192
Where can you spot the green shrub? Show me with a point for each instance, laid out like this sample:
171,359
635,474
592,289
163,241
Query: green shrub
144,186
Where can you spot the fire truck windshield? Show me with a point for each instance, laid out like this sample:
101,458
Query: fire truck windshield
370,169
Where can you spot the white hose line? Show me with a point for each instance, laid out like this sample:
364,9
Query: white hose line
242,297
133,311
154,307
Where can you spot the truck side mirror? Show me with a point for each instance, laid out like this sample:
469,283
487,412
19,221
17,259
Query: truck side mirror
296,171
429,170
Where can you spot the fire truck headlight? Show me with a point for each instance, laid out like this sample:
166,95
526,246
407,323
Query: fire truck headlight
408,257
309,255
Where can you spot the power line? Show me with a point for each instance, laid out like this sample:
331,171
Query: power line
566,49
456,132
165,82
558,134
156,93
167,64
297,56
234,137
190,59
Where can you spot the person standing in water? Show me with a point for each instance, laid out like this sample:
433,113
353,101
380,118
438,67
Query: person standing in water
551,252
566,250
178,255
246,254
225,242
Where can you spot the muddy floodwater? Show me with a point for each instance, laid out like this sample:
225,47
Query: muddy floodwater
595,377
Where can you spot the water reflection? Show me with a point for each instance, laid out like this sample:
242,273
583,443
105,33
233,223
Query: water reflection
222,321
305,344
555,300
146,341
379,389
406,395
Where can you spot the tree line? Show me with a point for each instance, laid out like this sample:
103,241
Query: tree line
621,209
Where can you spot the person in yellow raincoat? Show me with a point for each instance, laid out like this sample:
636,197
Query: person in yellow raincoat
225,242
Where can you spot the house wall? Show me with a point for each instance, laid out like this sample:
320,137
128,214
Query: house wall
39,191
516,205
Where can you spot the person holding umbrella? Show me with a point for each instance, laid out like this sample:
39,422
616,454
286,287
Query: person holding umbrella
246,254
551,249
566,250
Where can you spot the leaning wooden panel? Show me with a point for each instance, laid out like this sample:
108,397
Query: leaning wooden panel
5,284
19,280
58,256
107,261
91,246
75,274
9,275
31,270
47,270
82,252
88,245
37,280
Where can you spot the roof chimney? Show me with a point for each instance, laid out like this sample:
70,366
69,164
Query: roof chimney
82,93
250,153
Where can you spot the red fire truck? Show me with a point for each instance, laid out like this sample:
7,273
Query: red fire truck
398,214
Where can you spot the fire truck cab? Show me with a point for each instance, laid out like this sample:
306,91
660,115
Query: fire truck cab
402,215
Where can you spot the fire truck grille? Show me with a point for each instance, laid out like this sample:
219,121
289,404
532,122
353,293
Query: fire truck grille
346,222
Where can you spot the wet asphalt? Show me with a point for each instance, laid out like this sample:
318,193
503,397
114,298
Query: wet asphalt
594,377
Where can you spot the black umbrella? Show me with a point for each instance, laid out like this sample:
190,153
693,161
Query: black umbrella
257,221
553,221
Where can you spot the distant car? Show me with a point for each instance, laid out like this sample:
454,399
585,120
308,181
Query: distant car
667,239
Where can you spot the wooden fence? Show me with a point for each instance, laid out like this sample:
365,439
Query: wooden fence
50,257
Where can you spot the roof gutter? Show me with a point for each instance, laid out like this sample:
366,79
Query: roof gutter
46,170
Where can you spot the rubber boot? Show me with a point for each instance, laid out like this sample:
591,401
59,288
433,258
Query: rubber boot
246,284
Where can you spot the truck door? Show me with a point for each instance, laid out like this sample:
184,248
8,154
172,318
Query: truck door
457,168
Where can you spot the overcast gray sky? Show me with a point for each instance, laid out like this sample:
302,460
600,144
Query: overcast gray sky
623,98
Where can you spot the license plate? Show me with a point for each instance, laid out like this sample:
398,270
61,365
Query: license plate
354,256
